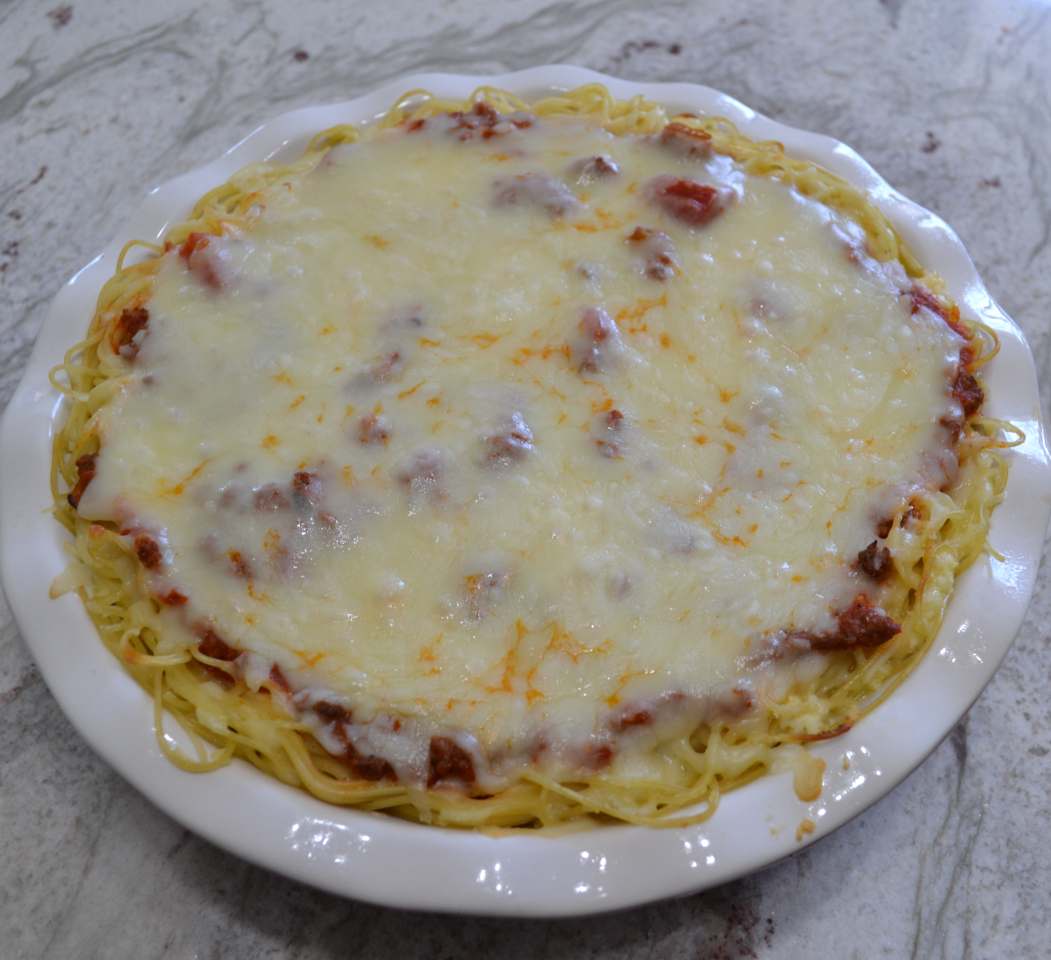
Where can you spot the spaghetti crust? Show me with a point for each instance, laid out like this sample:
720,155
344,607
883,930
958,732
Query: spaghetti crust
926,543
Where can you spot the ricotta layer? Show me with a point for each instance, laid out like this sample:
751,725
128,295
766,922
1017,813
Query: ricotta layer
513,439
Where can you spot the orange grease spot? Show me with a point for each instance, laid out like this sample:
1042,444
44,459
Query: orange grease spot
427,653
640,309
181,486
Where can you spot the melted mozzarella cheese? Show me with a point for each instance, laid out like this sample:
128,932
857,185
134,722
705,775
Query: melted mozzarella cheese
449,440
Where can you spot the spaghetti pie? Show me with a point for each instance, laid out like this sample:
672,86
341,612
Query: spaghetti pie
513,464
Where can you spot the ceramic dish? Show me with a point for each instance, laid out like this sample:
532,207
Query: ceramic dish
380,859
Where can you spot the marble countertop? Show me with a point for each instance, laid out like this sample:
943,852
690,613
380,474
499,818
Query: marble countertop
100,101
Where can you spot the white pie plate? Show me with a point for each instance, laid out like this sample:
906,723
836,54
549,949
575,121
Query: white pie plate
383,860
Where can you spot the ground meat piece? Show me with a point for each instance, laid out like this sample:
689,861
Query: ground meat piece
148,551
270,497
387,367
920,298
132,320
208,260
632,718
594,168
369,768
686,141
884,527
332,712
513,441
656,251
215,648
599,344
536,190
277,678
688,201
955,428
306,489
597,756
484,121
860,625
449,761
876,562
608,432
374,429
967,393
85,474
420,470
